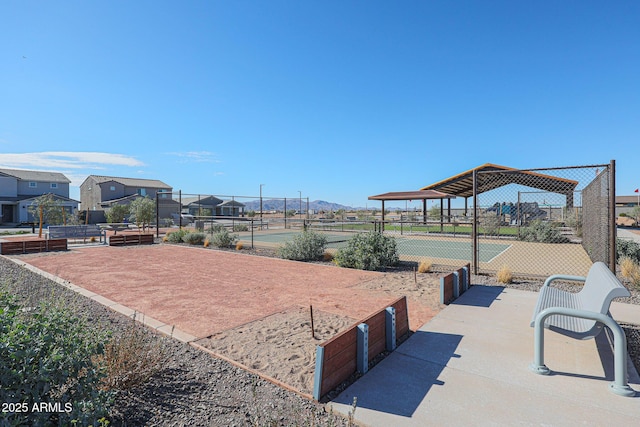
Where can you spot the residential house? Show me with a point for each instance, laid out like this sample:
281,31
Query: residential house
98,193
211,206
20,188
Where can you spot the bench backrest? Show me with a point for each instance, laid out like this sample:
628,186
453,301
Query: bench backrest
74,230
600,288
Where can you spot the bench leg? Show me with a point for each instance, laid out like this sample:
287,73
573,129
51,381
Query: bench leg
619,385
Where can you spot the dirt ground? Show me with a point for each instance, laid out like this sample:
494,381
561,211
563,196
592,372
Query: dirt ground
250,309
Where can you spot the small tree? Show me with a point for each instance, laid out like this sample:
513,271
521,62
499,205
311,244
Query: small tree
635,213
52,210
143,211
118,213
435,212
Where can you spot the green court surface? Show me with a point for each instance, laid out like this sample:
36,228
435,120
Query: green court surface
407,246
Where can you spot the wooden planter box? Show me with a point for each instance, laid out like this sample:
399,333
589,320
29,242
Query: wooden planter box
31,246
131,239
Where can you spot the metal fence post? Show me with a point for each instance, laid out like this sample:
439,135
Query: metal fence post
474,227
612,216
363,348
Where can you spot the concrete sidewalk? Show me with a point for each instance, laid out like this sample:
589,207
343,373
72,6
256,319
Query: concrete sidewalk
469,366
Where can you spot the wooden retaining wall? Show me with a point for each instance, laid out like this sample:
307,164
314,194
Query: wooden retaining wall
455,284
131,239
336,358
30,246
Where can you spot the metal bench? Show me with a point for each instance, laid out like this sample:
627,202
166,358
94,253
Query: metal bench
582,315
75,232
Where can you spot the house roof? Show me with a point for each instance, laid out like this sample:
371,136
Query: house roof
131,182
207,200
107,203
631,200
232,203
462,184
55,196
412,195
41,176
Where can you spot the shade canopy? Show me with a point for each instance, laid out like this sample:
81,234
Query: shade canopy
412,195
462,184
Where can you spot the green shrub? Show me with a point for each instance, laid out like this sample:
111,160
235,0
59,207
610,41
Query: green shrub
196,238
627,249
305,246
368,251
215,228
542,231
240,227
223,239
176,236
48,356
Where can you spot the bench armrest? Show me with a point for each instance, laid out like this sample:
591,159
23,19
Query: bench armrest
564,277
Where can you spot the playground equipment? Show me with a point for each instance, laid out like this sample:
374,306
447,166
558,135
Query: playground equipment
518,213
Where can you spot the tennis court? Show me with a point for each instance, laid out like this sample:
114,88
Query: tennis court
408,246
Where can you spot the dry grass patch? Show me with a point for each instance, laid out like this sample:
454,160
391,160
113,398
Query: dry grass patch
425,266
131,358
630,270
504,275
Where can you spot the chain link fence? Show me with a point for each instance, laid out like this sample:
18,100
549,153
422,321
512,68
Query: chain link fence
549,221
533,222
181,209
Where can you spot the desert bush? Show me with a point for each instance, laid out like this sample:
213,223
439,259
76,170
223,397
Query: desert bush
176,236
196,238
240,227
627,249
542,231
223,239
630,270
305,246
239,246
131,358
424,266
368,251
215,228
504,275
327,256
47,355
490,223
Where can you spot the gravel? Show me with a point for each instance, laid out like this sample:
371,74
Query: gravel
194,388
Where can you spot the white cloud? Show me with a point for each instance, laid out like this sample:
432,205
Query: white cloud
66,160
195,156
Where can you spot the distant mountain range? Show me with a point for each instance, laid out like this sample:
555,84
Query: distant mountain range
278,205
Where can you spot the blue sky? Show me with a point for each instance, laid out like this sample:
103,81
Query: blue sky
338,100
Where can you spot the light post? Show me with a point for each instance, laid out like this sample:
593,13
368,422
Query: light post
261,202
300,208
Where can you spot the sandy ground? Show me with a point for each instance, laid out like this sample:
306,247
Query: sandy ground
282,346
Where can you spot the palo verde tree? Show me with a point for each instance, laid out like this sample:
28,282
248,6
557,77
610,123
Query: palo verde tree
143,211
47,210
117,213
